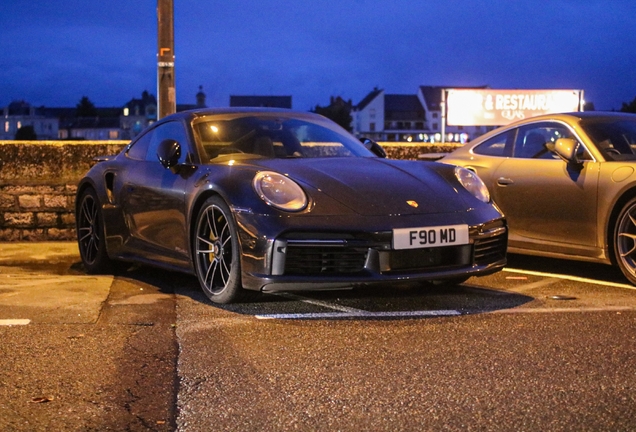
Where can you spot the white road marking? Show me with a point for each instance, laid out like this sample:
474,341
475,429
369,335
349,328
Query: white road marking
319,303
348,312
533,285
361,314
572,278
560,310
13,322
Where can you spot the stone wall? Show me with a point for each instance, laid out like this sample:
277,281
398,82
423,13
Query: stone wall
38,182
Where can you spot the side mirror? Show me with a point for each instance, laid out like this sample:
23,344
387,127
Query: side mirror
169,152
375,148
565,148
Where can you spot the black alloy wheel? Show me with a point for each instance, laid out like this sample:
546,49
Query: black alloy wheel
90,234
625,241
216,252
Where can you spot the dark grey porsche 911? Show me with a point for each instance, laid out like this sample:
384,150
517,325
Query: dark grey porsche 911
271,200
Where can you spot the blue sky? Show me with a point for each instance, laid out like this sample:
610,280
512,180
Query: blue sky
55,52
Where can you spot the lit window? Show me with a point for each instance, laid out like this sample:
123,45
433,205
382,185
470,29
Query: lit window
126,111
6,126
113,134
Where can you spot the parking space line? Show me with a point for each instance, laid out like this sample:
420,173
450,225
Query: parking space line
561,310
14,322
534,285
349,312
362,314
319,303
571,278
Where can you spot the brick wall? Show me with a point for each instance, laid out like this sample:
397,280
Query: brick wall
38,182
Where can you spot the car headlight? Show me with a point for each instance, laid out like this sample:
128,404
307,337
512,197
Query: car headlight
473,184
279,191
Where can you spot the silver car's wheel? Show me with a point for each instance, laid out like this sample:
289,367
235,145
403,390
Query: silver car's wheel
625,241
216,252
90,234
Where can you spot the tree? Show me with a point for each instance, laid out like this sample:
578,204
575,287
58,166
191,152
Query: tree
629,108
85,108
26,133
338,110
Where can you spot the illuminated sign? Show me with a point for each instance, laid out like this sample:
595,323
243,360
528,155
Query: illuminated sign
485,107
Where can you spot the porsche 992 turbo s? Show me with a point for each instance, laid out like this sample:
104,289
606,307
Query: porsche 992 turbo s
276,200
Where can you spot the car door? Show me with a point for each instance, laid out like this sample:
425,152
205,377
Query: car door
550,204
153,198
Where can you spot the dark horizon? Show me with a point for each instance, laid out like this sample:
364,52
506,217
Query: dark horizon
56,53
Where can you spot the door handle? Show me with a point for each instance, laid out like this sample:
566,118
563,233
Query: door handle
503,181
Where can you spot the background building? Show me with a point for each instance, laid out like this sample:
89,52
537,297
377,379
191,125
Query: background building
411,118
20,113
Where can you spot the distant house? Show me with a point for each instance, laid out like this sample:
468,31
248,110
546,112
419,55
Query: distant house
138,114
103,126
20,113
261,101
390,117
411,118
200,97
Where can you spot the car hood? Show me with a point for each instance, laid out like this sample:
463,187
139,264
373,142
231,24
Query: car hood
374,186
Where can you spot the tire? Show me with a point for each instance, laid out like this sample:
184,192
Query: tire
625,241
90,234
216,252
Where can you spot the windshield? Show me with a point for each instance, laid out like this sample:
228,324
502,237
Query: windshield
275,137
615,138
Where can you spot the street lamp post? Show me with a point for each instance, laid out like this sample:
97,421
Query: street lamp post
166,92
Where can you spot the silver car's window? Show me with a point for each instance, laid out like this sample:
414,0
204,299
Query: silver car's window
614,137
532,139
274,137
499,145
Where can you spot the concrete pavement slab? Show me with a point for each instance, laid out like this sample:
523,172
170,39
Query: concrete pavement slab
37,285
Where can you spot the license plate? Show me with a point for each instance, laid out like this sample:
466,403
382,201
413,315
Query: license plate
426,237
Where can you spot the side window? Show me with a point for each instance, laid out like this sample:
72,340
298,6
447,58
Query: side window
532,139
139,148
171,130
498,145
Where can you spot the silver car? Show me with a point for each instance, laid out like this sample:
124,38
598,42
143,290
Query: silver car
566,184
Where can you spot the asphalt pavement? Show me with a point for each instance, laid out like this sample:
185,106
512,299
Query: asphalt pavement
82,352
542,345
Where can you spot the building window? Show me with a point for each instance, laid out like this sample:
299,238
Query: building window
372,127
434,126
434,115
113,134
419,125
6,126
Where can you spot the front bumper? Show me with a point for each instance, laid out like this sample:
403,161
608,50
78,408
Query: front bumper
301,260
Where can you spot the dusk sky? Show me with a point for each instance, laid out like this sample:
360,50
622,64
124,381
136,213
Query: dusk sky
55,52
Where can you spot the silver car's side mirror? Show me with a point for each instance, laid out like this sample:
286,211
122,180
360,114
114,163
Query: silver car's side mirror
566,149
